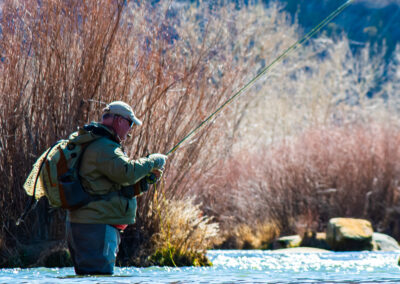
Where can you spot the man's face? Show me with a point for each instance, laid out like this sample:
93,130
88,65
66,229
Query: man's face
122,126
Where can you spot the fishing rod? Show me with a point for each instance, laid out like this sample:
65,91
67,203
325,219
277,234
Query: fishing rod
248,84
290,49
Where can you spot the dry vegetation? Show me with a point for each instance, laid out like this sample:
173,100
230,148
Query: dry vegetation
323,173
184,230
61,59
313,144
303,145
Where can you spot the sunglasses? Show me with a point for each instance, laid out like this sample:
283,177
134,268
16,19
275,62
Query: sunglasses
127,119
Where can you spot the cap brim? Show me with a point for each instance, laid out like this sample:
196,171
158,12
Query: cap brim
136,121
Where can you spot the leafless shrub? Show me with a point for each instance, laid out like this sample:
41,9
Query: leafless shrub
312,144
61,60
301,182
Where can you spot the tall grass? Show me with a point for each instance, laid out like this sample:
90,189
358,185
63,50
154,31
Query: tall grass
186,227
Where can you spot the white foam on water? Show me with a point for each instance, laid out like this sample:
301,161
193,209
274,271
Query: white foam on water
233,266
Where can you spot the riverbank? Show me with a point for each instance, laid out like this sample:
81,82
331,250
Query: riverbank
343,234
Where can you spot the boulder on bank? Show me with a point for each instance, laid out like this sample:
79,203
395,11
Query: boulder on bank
315,240
286,242
384,242
349,234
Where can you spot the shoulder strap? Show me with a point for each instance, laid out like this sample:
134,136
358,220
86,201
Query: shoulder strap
100,131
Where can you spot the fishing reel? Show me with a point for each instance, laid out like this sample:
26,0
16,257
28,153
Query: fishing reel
151,178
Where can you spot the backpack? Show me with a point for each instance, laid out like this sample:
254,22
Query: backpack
56,175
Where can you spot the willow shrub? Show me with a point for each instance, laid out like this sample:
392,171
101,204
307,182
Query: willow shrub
62,60
319,141
297,184
348,171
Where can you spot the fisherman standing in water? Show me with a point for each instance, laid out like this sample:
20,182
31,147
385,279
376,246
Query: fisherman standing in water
93,231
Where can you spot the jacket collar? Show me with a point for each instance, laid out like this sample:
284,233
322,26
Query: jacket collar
102,130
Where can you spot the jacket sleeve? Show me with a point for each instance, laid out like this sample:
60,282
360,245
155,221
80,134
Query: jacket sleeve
115,165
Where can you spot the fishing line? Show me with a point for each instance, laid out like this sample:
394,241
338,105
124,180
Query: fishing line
265,70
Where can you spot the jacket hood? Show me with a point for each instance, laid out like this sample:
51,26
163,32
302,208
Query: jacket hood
92,132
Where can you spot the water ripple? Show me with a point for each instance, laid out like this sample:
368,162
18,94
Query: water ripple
231,266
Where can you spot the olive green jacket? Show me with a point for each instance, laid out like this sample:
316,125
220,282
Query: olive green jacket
104,169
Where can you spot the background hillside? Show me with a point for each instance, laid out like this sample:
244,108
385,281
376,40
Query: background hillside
365,21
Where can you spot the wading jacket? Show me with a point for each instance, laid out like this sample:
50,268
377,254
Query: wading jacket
104,169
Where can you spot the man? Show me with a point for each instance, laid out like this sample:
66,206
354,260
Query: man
107,173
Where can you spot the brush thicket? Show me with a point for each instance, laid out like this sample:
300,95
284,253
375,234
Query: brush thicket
62,61
319,141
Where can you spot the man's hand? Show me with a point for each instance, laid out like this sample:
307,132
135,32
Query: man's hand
154,176
158,173
159,160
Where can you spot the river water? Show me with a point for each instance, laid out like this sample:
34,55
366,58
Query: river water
234,266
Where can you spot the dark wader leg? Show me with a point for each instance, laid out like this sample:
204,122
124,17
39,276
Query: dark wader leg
93,247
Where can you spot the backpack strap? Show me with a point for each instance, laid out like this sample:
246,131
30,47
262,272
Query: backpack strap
99,131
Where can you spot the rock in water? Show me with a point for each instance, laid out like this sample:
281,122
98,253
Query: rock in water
348,234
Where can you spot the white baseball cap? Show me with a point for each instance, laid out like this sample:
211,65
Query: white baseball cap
122,109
